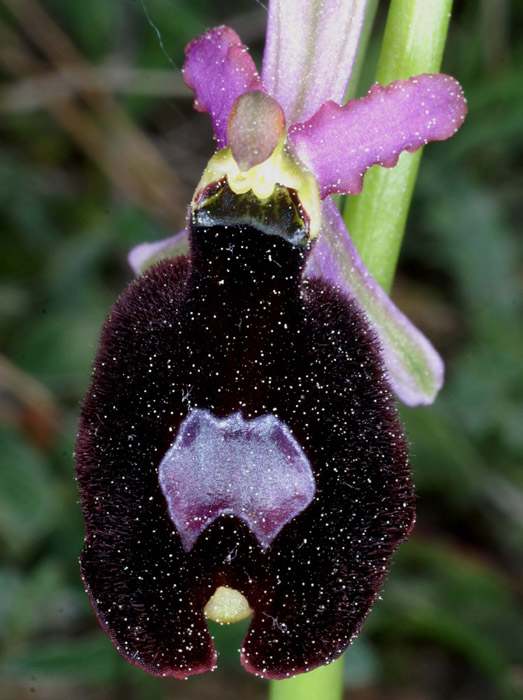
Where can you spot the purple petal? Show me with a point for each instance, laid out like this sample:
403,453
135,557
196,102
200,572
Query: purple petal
415,369
146,254
340,143
219,69
309,52
253,469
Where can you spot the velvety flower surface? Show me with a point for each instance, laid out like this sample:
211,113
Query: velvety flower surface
230,362
240,432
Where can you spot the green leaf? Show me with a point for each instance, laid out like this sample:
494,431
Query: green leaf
93,659
28,501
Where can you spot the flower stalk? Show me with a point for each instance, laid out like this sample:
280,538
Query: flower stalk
325,682
414,42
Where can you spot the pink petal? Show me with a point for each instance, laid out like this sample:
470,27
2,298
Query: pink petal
340,143
144,255
415,369
309,52
219,69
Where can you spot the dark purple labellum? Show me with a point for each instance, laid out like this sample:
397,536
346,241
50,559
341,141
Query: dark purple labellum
253,469
233,334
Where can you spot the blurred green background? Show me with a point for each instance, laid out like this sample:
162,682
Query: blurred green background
100,149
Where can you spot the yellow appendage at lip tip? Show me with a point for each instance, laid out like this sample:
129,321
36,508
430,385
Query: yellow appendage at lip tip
227,605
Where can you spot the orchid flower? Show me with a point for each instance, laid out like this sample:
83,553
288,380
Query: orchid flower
239,449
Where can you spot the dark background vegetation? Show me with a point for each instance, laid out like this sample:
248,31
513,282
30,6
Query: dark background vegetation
99,150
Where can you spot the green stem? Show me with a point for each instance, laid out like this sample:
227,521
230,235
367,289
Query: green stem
413,43
324,683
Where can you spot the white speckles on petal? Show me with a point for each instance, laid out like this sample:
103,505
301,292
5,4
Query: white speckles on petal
219,69
341,143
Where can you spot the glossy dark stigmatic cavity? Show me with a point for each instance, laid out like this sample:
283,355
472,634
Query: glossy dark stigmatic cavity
280,215
234,329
